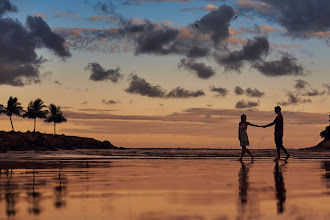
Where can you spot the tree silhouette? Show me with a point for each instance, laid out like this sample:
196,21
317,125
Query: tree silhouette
326,133
13,108
55,116
34,111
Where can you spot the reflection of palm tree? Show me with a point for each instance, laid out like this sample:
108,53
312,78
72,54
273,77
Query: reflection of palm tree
10,195
60,191
34,111
280,187
13,108
36,197
55,116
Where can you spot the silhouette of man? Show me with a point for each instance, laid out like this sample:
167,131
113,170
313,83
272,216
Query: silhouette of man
278,122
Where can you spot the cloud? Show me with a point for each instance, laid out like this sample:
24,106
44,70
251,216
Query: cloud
156,40
286,65
313,92
199,69
327,86
209,7
216,23
251,52
40,15
98,73
19,63
6,6
244,104
196,52
249,5
58,83
300,84
254,93
220,91
294,99
59,14
307,17
107,19
46,37
239,90
109,102
184,93
142,87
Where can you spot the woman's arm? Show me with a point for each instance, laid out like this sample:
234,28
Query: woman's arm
248,123
239,134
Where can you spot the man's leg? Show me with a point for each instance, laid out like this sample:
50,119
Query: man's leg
278,147
280,141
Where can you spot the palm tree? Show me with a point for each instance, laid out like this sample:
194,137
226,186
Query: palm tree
13,108
55,116
34,111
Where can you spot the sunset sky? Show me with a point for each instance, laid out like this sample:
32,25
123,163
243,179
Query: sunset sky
169,73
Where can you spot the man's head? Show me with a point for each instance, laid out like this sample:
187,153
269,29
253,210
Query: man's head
277,109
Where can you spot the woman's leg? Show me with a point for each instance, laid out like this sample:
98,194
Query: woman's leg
249,152
243,152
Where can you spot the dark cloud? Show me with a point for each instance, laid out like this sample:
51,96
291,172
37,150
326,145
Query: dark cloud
142,87
6,6
19,62
109,102
46,37
285,66
156,40
254,93
58,83
251,52
199,69
184,93
301,84
239,90
216,23
220,91
197,52
98,73
294,99
244,104
301,17
313,92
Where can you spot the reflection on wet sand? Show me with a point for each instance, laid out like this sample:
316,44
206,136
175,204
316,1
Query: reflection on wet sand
60,190
163,189
326,166
280,187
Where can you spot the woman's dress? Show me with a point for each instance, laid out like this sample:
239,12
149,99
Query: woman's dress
244,139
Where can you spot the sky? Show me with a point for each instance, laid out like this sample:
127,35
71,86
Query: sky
169,73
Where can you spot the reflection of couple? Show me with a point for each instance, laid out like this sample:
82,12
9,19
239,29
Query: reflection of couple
278,122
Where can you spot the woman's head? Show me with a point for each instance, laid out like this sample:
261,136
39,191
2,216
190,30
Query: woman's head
243,117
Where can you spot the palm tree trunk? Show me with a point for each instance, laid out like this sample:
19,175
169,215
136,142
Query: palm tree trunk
11,122
34,130
54,128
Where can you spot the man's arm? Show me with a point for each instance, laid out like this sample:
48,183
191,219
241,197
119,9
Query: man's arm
270,124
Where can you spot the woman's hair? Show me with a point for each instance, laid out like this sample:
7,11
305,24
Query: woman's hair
242,116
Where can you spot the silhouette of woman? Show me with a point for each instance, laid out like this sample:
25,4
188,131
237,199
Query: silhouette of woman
243,137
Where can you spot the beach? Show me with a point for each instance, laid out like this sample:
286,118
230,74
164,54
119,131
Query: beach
86,185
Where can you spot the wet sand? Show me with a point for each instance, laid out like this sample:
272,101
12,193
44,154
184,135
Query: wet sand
106,187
